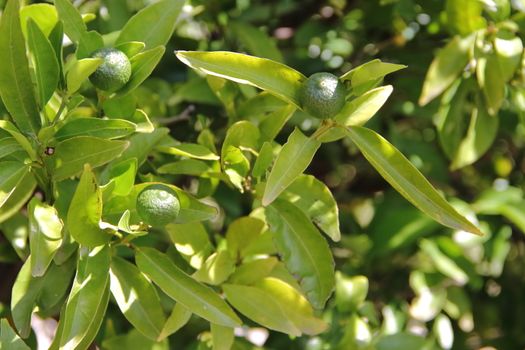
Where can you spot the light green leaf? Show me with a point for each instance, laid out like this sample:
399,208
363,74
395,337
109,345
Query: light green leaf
358,111
153,25
294,158
509,50
305,252
242,233
492,82
142,65
89,43
191,241
71,155
133,340
186,167
406,179
464,16
142,121
264,160
265,74
252,271
216,269
45,235
87,300
350,292
179,316
198,298
8,146
45,15
85,212
103,128
137,298
260,307
80,71
46,65
256,42
16,87
480,135
131,48
243,135
74,26
403,340
17,135
10,174
315,199
368,75
275,121
55,287
19,196
140,145
189,150
24,294
9,340
222,337
123,174
446,67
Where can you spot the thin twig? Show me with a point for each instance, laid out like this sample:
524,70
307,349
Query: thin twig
183,116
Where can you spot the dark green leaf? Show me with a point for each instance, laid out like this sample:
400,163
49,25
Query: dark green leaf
103,128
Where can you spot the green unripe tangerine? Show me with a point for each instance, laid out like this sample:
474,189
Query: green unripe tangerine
158,205
114,72
322,95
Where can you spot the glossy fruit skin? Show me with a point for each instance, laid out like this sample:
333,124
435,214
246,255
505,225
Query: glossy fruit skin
158,205
114,72
322,95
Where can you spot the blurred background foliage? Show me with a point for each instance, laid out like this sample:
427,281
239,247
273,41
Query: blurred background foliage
425,286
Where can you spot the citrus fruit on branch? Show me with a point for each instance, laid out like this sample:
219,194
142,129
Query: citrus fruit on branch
322,95
158,205
114,72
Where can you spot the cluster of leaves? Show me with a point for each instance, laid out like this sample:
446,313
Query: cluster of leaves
249,236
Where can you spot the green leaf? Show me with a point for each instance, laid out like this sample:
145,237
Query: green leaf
24,294
192,242
71,155
464,16
222,337
56,286
45,15
304,251
137,298
140,145
21,139
153,25
10,174
264,160
406,179
16,87
87,300
252,271
74,26
294,158
89,42
45,235
103,128
46,65
9,339
198,298
260,307
350,292
256,42
366,76
131,48
492,82
80,71
85,212
16,231
315,199
243,135
9,146
123,174
186,167
446,67
480,135
275,121
142,65
216,269
19,196
189,150
179,316
242,233
358,111
403,340
133,340
265,74
509,49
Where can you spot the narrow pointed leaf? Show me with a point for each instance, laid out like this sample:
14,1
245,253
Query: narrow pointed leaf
198,298
189,150
103,128
222,337
87,299
406,179
19,196
294,158
305,252
9,339
45,235
16,87
136,298
153,25
80,71
85,212
179,316
24,294
265,74
46,65
21,139
74,26
142,65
